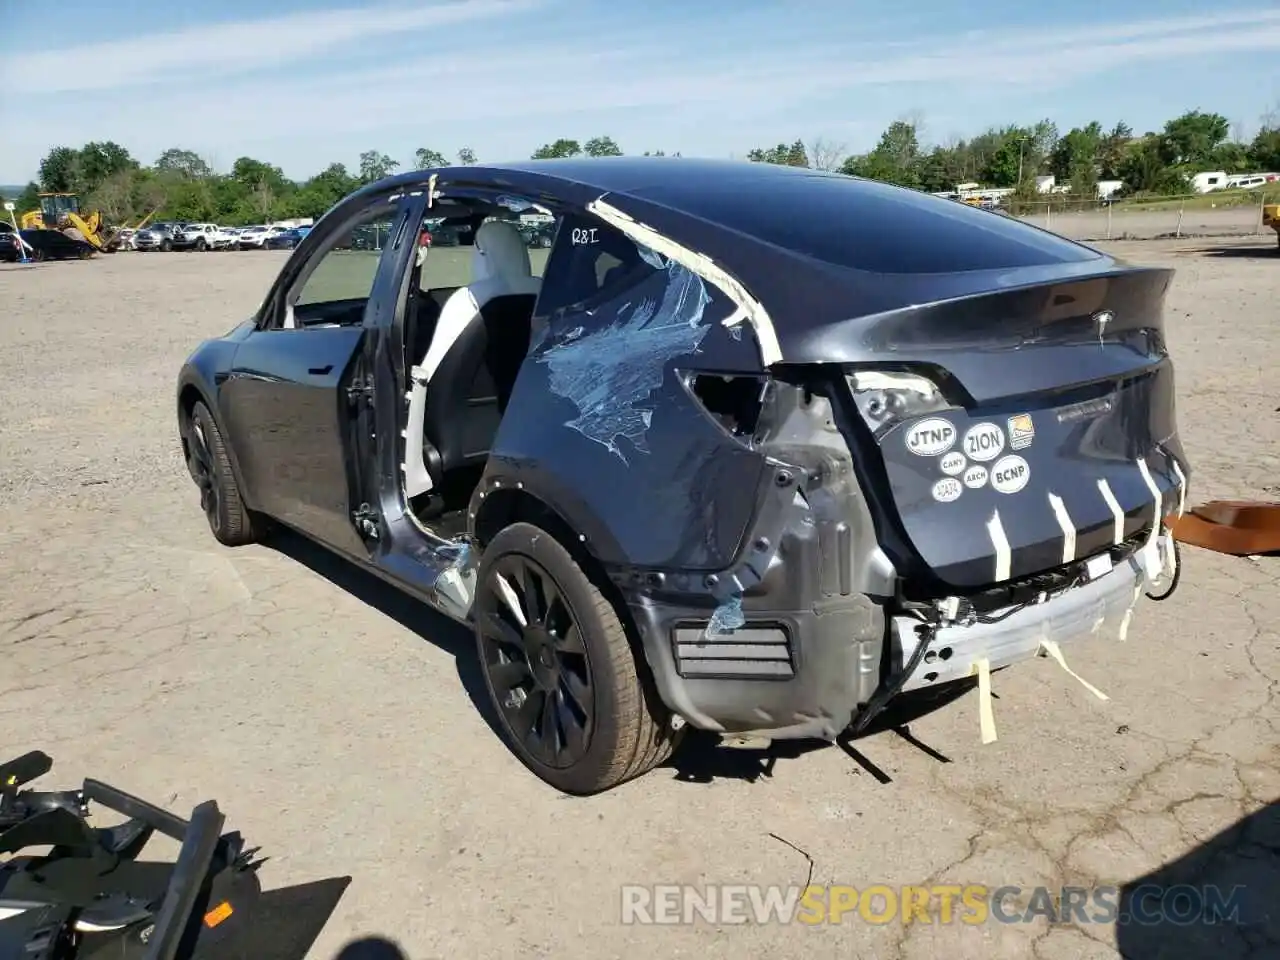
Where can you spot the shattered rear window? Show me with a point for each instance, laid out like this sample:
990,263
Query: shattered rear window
871,226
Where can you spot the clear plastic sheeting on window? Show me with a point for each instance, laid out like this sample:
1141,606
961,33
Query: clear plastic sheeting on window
610,370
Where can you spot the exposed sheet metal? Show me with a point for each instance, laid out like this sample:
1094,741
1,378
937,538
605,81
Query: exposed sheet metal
747,309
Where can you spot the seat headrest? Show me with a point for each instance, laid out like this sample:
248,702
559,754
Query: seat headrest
500,254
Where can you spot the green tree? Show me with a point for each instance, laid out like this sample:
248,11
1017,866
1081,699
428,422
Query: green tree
374,165
428,159
466,156
1113,149
601,147
99,160
1264,152
60,170
1193,137
185,163
896,158
786,155
558,149
29,199
1079,146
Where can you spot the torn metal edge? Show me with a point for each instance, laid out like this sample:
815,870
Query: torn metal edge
748,308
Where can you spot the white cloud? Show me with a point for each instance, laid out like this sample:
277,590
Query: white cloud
683,82
219,49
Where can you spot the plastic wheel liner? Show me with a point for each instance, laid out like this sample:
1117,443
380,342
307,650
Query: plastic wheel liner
90,896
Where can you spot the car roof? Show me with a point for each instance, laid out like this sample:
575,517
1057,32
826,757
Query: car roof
816,249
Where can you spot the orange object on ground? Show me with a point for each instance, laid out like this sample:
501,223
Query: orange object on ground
1241,528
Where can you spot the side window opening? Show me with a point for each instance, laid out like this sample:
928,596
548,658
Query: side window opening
590,259
338,281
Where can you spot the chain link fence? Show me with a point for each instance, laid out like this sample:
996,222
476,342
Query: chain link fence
1197,215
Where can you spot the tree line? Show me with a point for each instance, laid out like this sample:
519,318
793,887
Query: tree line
181,185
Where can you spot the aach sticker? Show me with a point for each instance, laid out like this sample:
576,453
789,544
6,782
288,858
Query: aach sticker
984,441
1010,474
953,463
975,477
1022,430
947,489
932,437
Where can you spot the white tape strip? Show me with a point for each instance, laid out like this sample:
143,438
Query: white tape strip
1052,649
1151,552
1128,614
1068,528
1182,484
1105,489
1000,542
986,715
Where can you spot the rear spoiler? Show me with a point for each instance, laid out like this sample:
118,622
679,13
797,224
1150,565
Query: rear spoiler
30,818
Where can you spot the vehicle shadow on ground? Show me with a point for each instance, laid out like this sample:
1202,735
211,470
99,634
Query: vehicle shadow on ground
703,758
1268,252
414,615
1220,900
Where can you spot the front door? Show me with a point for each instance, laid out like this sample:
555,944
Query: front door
295,391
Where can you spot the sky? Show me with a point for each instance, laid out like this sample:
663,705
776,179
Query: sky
303,83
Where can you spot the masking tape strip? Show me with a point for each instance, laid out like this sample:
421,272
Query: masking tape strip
1105,489
1052,649
1151,552
1128,614
1004,558
1068,528
1182,484
986,716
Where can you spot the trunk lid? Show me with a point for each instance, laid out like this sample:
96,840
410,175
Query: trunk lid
1064,440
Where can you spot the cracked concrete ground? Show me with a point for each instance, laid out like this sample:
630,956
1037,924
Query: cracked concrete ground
336,723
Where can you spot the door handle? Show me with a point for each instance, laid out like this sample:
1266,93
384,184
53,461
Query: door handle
320,371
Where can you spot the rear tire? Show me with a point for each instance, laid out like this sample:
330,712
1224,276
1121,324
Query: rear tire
574,704
201,246
231,522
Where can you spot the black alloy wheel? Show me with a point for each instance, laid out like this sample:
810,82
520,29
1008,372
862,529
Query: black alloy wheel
209,464
537,663
575,700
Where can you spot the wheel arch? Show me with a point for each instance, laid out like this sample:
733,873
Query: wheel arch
502,506
191,392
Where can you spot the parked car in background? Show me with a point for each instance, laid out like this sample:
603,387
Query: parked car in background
287,239
256,237
158,236
195,236
226,238
42,245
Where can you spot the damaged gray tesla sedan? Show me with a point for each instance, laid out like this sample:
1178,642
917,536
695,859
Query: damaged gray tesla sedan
756,451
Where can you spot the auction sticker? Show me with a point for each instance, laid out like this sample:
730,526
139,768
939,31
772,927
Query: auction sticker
984,441
975,477
1010,474
953,463
947,489
932,437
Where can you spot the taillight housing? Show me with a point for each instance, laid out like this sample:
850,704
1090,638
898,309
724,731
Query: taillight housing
886,398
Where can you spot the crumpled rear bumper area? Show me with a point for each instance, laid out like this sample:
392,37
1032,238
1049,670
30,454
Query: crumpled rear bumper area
1102,607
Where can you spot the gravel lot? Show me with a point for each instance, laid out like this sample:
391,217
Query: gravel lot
338,724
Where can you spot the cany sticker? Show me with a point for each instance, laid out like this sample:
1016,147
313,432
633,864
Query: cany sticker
984,441
947,489
1010,474
932,437
953,463
975,477
1022,430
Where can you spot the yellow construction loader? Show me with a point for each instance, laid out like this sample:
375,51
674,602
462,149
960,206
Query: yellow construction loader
60,211
1271,218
